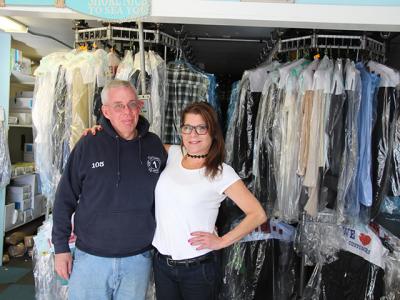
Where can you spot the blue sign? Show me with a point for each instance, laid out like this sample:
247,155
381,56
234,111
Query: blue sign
118,10
352,2
30,3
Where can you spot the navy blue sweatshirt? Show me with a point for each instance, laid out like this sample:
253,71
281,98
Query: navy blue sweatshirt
109,183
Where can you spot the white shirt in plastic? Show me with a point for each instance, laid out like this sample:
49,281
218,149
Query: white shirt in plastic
389,77
126,67
187,201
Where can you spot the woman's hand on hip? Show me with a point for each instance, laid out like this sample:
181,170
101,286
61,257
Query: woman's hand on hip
205,240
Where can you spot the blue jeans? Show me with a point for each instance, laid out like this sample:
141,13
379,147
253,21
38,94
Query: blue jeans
98,278
195,282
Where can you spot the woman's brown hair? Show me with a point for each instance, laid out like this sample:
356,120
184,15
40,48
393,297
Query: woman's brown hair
216,155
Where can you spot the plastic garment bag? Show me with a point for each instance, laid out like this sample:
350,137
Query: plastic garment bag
288,182
5,162
392,264
347,204
48,286
233,98
125,68
336,136
319,238
259,270
395,165
384,139
370,83
263,171
158,94
42,116
58,136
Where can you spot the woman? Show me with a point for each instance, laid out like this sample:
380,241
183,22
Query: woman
187,198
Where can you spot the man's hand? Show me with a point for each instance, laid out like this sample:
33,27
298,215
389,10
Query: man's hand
92,130
63,264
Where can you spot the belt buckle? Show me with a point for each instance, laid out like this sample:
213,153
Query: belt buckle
169,262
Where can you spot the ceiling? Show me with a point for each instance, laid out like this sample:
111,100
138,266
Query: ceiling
218,57
222,57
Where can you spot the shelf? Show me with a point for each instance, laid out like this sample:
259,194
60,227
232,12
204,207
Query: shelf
22,175
22,224
17,77
19,125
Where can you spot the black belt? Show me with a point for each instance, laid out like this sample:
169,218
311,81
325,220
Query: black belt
185,262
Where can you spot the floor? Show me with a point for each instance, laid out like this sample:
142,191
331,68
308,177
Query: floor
16,280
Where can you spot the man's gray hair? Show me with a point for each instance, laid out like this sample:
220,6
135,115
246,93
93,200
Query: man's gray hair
114,84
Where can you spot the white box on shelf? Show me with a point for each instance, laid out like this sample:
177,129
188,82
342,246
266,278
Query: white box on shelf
10,215
29,157
28,215
28,147
12,120
38,203
21,102
25,94
23,205
18,192
24,118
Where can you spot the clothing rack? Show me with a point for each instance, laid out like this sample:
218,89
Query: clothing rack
124,35
375,49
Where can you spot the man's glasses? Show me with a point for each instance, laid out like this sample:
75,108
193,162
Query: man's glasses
119,107
200,129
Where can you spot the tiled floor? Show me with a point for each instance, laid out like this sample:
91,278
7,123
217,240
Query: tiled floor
16,280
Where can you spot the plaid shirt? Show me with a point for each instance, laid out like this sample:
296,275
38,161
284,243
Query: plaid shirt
185,85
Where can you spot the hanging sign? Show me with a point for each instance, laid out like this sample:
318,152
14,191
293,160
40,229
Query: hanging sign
352,2
365,244
145,112
30,2
115,10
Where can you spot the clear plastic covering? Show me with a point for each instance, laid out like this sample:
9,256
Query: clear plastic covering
259,270
126,67
48,285
349,277
319,238
42,116
264,173
347,204
5,162
392,264
384,141
288,183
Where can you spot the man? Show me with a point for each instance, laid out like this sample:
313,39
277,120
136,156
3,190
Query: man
109,184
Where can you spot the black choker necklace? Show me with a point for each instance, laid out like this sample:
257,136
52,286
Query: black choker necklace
197,156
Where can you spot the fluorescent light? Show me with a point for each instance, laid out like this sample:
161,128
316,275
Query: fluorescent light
10,25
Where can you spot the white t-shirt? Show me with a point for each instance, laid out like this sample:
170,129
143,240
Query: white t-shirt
187,201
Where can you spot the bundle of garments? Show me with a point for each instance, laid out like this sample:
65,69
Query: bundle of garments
315,134
309,135
5,162
67,99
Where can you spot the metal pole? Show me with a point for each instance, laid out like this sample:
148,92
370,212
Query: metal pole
142,58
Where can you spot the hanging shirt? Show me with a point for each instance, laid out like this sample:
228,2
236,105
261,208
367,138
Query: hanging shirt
370,83
185,85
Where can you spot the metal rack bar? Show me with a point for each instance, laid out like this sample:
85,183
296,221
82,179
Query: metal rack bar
124,34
